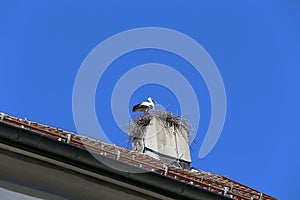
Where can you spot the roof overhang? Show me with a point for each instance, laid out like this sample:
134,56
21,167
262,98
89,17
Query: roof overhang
42,149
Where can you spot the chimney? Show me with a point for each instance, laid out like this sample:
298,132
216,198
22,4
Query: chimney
163,136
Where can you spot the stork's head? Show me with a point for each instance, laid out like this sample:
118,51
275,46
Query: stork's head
151,100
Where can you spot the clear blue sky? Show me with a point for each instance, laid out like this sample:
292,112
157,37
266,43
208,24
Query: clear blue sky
255,45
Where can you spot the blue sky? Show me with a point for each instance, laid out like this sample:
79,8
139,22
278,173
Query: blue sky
255,45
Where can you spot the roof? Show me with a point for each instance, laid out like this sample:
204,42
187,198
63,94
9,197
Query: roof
200,179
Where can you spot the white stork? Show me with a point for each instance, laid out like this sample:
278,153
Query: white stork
144,106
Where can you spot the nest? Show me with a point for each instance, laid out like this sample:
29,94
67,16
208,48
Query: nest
136,129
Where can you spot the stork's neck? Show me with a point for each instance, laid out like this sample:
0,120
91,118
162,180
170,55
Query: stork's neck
150,100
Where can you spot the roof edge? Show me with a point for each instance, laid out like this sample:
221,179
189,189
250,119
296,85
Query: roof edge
67,153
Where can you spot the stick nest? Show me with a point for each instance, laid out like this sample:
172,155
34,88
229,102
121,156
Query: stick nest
137,128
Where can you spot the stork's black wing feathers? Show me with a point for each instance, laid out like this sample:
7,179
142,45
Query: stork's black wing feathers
140,108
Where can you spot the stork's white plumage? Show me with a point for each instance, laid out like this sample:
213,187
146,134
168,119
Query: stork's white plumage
144,106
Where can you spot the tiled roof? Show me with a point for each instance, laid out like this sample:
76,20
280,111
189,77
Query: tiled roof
205,180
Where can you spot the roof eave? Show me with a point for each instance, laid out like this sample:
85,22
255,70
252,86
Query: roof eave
45,146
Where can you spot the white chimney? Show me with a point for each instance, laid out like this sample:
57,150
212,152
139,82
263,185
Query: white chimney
163,136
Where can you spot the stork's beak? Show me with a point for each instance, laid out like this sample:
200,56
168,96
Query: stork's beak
153,101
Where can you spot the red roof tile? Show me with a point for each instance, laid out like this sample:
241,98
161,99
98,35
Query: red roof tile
198,178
